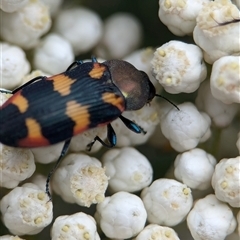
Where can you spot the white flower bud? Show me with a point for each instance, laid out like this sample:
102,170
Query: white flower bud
167,201
17,164
78,226
179,67
128,169
226,181
225,79
47,154
195,168
26,210
121,216
180,16
80,179
27,25
53,55
12,6
211,219
80,26
118,40
154,231
218,23
14,66
220,113
185,128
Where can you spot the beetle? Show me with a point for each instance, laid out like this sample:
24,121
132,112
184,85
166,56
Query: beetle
49,110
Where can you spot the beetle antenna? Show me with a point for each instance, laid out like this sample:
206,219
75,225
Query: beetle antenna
157,95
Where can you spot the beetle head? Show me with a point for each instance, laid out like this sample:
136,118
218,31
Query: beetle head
134,85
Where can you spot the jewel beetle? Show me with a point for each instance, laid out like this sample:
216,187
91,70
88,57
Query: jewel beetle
49,110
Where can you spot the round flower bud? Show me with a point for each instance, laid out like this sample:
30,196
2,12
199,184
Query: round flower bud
26,210
14,66
53,55
122,215
195,168
211,219
167,201
78,226
217,30
179,67
79,26
127,169
225,181
225,79
80,179
25,26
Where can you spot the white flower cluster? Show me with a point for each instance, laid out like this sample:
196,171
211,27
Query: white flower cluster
133,200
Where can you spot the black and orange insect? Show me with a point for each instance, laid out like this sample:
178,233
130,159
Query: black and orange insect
48,110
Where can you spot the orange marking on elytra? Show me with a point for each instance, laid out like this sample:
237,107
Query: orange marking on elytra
79,114
34,137
62,84
20,101
97,71
115,100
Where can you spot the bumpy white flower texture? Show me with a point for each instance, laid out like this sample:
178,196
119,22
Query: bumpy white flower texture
204,127
217,30
138,174
167,201
17,164
14,65
226,181
80,179
179,67
180,16
53,55
121,216
78,226
225,79
211,219
195,168
154,231
26,210
186,127
25,26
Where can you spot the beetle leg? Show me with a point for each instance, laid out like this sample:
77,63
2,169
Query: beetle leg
132,125
63,153
74,64
94,59
111,137
2,90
